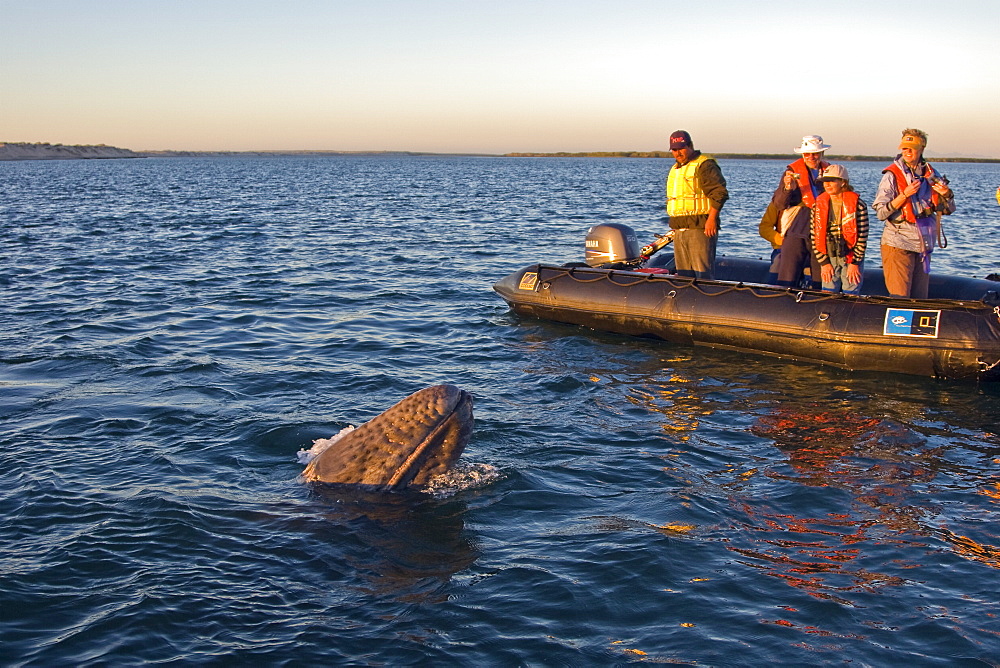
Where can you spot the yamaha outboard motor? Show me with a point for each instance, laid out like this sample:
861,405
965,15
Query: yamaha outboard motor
610,243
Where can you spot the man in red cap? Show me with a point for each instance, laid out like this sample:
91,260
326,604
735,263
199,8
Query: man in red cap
696,191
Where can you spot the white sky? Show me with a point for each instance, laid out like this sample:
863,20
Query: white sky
500,76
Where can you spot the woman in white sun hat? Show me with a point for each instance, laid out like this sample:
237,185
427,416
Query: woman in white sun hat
793,200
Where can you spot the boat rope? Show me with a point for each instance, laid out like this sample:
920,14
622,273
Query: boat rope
760,291
765,293
569,272
645,278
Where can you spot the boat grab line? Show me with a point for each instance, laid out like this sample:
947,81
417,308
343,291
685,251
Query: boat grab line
764,292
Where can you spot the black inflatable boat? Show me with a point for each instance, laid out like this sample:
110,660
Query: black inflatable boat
955,334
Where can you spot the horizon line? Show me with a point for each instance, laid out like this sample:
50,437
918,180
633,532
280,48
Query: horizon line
106,151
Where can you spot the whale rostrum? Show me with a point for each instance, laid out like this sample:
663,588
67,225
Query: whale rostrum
420,437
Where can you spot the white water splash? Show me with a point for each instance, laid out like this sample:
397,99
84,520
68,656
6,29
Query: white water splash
320,445
462,477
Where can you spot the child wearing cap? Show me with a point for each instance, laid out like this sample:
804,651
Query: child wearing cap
839,232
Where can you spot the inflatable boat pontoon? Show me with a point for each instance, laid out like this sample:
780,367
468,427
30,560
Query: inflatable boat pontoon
955,334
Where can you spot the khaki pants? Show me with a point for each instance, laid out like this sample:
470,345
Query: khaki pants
904,273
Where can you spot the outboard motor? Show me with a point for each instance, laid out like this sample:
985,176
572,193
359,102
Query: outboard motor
610,243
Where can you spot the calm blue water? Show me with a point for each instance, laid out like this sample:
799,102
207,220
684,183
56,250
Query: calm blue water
174,331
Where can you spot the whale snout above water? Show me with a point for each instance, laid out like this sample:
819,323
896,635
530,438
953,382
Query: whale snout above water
420,437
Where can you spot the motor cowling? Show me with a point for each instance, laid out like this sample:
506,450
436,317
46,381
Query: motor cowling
609,243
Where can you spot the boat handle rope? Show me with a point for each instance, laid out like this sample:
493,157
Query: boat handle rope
645,278
693,284
764,294
773,293
569,272
641,279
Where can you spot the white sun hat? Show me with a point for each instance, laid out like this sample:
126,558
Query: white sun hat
812,144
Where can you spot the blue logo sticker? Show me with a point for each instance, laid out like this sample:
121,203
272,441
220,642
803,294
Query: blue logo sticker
906,322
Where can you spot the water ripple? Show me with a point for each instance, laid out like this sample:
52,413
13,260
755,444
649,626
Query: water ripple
176,330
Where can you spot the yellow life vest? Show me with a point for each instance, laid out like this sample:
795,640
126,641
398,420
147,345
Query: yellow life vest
684,194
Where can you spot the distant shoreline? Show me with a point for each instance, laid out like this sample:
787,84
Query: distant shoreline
43,151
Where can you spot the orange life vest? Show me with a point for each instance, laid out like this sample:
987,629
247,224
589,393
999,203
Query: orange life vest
804,181
908,213
848,222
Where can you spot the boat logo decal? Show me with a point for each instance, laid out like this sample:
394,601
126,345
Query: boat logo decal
909,322
529,281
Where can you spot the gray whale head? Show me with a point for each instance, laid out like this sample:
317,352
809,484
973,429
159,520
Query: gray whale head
418,438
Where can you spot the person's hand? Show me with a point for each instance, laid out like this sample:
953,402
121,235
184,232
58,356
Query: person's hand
941,188
712,223
853,273
911,188
826,271
790,179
